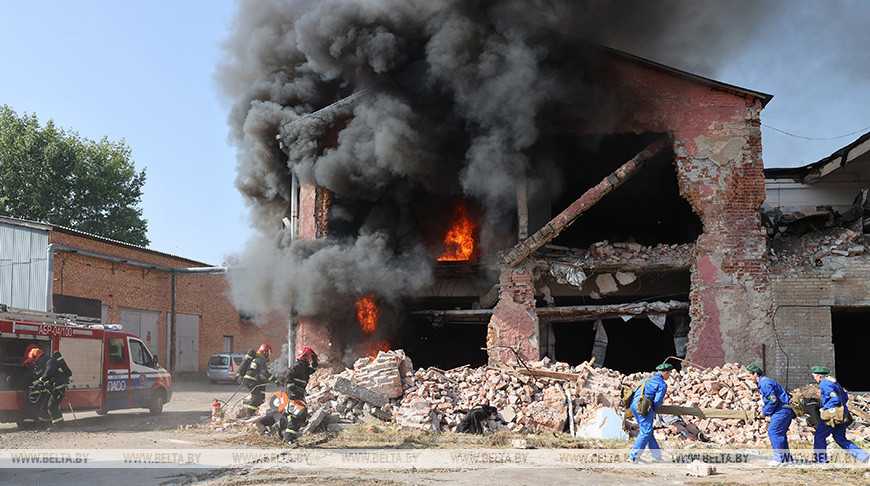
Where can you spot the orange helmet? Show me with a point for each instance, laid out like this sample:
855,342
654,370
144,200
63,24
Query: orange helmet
34,354
25,360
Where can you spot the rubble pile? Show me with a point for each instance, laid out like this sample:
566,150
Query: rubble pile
816,249
534,399
605,252
621,252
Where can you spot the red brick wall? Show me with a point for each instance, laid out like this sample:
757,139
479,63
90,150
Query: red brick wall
120,285
717,146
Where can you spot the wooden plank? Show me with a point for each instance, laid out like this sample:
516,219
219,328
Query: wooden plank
564,219
557,375
594,312
747,415
860,413
564,313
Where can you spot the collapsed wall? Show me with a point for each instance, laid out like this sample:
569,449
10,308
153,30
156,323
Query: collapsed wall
716,145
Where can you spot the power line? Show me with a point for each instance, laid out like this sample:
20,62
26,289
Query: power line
813,138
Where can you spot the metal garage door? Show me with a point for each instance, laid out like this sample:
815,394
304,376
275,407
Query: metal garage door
186,342
142,323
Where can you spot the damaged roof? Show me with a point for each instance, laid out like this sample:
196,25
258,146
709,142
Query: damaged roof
849,164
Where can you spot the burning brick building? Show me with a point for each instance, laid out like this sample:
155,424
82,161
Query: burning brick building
678,248
386,135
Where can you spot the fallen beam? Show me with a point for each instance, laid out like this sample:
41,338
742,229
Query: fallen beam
558,375
860,413
564,219
564,313
595,312
746,415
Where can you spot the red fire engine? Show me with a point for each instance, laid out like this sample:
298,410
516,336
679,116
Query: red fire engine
111,370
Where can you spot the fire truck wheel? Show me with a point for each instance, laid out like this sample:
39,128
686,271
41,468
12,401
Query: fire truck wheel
155,405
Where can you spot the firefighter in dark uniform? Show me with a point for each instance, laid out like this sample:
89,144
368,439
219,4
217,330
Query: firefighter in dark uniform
38,361
246,363
255,379
286,424
295,381
54,382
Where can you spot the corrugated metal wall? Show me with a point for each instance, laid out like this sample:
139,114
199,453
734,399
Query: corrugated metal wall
23,267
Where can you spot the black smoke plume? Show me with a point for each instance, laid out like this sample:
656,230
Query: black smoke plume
451,99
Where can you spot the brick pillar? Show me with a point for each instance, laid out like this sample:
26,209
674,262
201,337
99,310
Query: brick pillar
315,332
514,322
720,173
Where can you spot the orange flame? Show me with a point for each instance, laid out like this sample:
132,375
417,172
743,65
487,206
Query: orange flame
367,314
459,239
373,348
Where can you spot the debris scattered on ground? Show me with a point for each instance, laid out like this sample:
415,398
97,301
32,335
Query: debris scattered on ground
701,469
386,389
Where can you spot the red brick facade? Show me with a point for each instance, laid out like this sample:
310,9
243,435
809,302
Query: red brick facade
717,147
119,285
717,155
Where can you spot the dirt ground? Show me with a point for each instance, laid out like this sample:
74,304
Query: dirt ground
184,425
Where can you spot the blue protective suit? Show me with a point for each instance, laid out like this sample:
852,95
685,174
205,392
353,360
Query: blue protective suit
776,407
655,390
834,395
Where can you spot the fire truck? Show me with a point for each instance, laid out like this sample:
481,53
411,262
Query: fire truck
111,370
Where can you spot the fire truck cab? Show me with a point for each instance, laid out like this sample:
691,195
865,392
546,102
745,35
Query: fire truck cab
111,370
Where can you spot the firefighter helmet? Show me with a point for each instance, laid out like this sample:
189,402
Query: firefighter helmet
34,354
265,349
306,353
25,360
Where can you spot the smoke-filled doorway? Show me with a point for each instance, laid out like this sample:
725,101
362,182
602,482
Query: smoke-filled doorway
850,334
443,345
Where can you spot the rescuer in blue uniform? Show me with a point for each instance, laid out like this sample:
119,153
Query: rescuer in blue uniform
654,388
776,407
833,395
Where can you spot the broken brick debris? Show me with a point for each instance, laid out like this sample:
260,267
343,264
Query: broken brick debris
533,399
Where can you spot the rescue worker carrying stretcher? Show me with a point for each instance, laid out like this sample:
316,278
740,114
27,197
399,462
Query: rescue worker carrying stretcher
833,398
648,397
776,407
256,376
54,382
286,423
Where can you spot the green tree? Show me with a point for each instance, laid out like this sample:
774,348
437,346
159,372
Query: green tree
48,174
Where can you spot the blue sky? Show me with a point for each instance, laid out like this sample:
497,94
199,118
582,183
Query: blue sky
144,72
